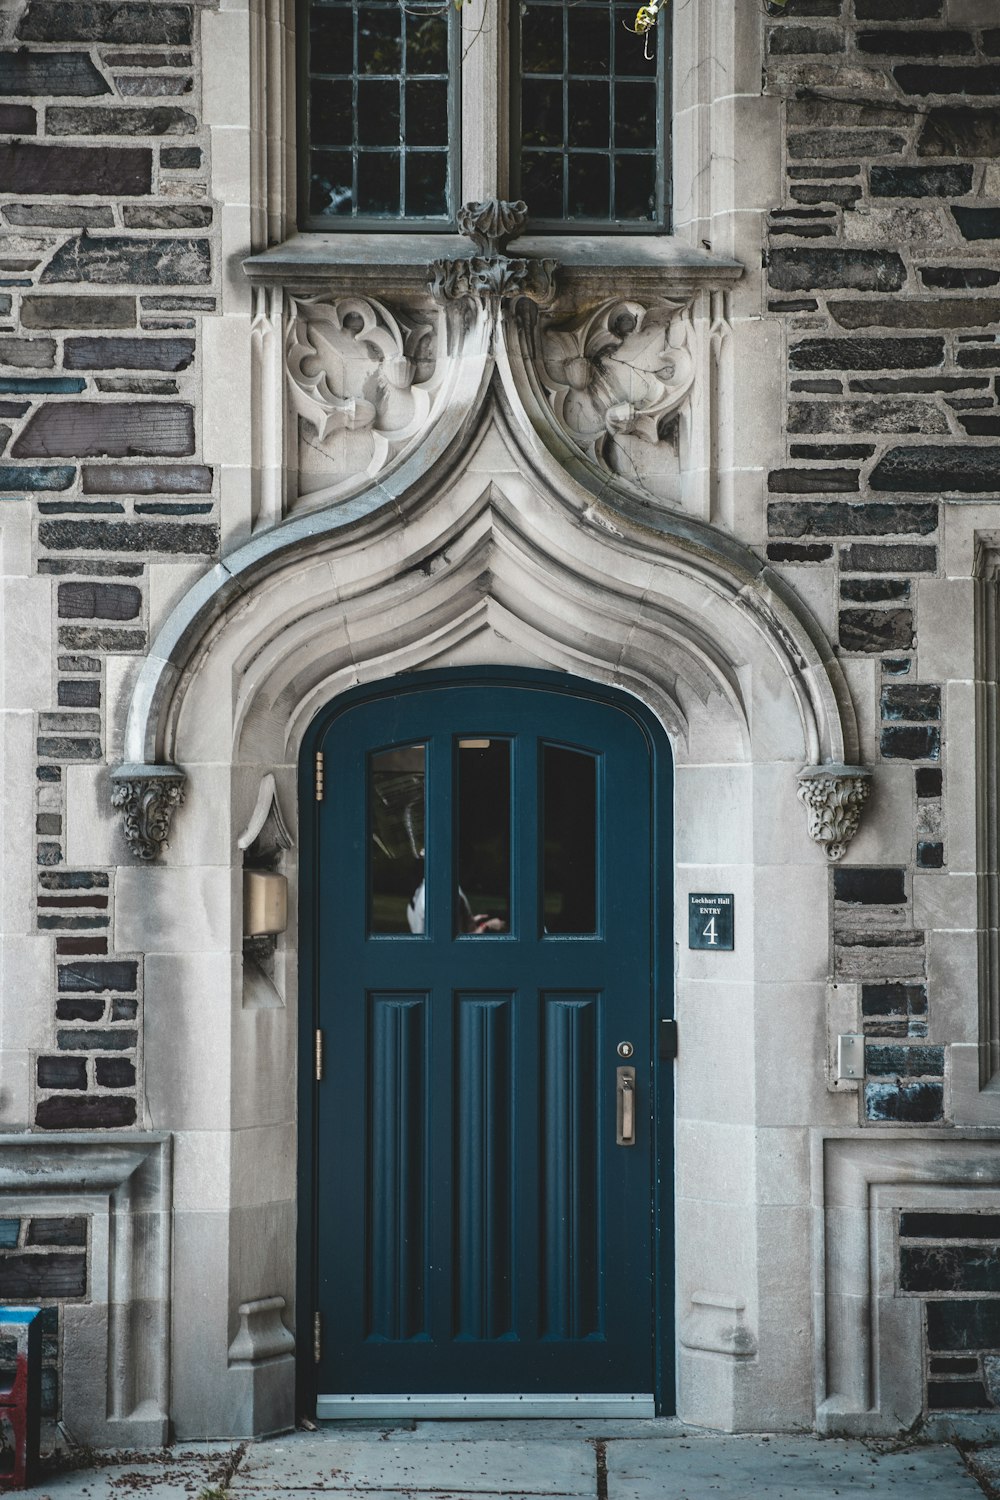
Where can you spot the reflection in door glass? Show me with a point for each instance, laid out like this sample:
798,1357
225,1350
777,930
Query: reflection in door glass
483,838
569,803
396,822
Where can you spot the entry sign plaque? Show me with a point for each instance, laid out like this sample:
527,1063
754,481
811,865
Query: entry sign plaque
710,921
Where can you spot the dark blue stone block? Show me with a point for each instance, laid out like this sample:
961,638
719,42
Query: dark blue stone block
911,742
893,998
978,223
869,887
940,1226
904,1103
42,385
904,1062
957,1395
90,978
911,701
949,1268
964,1324
928,782
930,854
8,1233
944,1365
20,477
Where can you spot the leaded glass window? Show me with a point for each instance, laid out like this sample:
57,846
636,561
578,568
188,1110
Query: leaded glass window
380,98
589,117
381,113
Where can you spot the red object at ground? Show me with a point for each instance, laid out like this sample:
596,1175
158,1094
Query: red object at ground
20,1398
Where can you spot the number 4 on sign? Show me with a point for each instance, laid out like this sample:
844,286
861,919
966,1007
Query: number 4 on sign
710,921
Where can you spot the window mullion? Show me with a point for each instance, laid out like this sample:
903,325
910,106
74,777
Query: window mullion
485,125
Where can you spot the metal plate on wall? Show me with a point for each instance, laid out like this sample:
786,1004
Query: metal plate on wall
710,921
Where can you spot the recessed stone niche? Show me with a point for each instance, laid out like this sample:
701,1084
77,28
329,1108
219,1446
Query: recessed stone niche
116,1338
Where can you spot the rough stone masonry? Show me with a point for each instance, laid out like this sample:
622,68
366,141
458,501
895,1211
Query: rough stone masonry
883,263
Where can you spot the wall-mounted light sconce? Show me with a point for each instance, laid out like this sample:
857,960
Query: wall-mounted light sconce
265,903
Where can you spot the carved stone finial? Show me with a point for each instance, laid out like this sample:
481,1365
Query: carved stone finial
493,224
492,277
833,796
146,795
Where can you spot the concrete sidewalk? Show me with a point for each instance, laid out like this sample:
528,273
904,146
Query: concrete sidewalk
654,1460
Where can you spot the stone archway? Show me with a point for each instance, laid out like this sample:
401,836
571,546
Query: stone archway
501,560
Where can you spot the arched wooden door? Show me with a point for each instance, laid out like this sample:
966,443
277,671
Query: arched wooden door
481,909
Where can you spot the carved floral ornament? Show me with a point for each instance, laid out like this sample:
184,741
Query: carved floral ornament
361,379
834,797
615,379
146,797
491,277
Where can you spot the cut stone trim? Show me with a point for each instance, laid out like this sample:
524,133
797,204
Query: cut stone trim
146,796
834,796
675,553
116,1344
869,1366
261,1334
492,277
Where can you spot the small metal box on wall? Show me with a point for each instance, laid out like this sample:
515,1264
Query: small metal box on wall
21,1399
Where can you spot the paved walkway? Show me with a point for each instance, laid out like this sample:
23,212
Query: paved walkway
523,1460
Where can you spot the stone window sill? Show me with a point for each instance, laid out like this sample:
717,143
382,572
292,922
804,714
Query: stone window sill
381,262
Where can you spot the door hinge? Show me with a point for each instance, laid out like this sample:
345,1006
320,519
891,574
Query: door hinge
319,775
318,1337
668,1040
318,1054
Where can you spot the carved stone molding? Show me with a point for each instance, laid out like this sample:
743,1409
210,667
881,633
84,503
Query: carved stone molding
493,224
615,378
492,277
361,381
116,1344
146,796
261,1334
834,796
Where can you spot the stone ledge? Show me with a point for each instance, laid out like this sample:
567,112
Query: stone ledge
389,261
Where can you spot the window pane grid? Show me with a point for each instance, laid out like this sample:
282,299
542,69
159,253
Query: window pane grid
381,105
591,136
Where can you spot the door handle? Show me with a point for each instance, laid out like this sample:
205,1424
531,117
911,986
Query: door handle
625,1112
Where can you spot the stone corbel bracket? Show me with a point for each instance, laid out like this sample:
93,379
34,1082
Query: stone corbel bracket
491,277
146,796
834,797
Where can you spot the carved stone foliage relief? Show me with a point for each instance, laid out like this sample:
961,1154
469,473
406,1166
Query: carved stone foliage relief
616,380
362,381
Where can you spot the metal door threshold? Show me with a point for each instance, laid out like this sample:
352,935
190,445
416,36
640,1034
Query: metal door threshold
618,1404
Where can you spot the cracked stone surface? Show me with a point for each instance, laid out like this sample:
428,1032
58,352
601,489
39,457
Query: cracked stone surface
614,1460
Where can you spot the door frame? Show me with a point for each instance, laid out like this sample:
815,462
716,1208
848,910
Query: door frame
661,1007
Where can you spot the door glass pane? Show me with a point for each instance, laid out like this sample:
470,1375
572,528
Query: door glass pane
483,837
569,822
396,815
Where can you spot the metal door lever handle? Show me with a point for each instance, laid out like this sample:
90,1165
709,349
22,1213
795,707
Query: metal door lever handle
625,1121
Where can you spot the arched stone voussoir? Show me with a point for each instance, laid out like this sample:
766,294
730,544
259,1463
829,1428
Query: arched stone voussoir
576,574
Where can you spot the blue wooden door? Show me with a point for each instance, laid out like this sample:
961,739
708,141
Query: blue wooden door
484,1142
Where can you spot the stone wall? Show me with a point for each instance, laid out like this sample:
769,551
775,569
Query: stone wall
952,1262
883,274
882,264
106,269
43,1260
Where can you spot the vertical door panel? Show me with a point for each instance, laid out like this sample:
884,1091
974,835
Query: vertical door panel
484,1199
397,1166
569,1177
